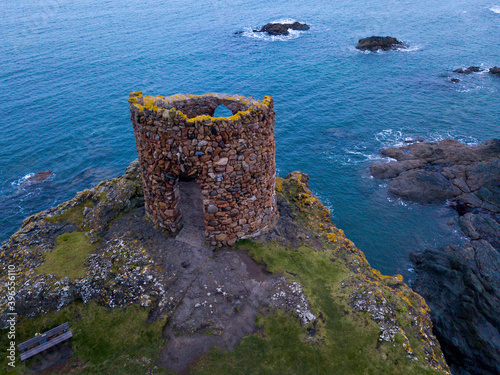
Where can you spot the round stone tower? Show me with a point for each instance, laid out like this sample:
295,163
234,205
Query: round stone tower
230,158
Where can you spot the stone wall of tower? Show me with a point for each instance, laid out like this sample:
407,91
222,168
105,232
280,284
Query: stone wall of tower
231,158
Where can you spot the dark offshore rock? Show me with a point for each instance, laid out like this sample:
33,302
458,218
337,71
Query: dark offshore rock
282,28
374,43
495,70
469,70
460,283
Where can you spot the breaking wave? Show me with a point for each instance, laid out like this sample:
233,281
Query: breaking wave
495,9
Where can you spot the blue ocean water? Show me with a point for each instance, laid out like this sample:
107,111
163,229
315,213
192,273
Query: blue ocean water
67,67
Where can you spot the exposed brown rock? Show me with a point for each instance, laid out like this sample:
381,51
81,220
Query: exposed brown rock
431,172
469,70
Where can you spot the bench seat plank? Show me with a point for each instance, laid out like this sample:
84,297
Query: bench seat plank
46,345
43,336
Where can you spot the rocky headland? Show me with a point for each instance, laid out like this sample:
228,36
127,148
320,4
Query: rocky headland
299,299
460,283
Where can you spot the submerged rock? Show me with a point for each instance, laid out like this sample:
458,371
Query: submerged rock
282,28
375,43
37,178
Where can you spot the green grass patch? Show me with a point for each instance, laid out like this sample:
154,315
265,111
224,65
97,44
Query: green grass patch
105,341
72,215
346,341
103,196
68,258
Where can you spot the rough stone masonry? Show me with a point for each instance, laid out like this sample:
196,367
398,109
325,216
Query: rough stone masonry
230,158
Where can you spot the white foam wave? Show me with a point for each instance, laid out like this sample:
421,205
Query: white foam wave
360,154
356,155
396,138
284,20
479,81
495,9
391,138
411,48
22,179
471,89
399,202
292,34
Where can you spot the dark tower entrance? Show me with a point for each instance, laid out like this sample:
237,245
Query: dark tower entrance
193,220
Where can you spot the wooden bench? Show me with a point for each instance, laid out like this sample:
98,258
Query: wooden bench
44,341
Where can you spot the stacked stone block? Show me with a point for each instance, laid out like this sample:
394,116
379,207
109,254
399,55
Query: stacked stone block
231,159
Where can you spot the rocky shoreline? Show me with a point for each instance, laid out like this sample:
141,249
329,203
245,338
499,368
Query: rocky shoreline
460,283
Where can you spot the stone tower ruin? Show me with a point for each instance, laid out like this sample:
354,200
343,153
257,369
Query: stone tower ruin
230,158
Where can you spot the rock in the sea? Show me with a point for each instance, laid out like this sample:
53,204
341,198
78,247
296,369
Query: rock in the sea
37,178
495,70
469,70
282,28
375,43
455,80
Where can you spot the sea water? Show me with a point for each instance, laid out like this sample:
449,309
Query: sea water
67,67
